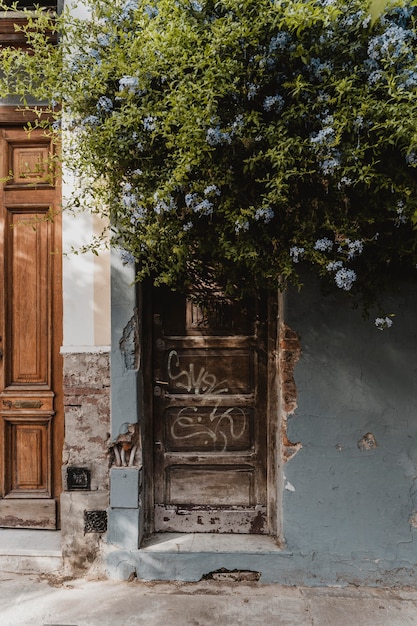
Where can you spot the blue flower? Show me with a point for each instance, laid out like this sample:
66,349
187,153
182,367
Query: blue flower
324,137
216,137
105,104
279,42
394,42
204,207
323,245
318,68
149,123
383,322
190,200
265,214
90,120
252,90
128,8
344,278
354,248
196,6
103,40
126,257
328,166
296,253
274,102
332,266
238,122
138,214
95,54
130,83
241,226
212,189
128,200
375,77
164,205
150,11
401,218
358,122
409,80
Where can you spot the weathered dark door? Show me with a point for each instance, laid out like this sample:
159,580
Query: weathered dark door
210,404
31,422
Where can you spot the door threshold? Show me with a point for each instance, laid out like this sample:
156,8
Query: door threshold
211,542
190,557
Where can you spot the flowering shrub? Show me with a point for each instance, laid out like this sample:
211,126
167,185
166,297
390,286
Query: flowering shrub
233,143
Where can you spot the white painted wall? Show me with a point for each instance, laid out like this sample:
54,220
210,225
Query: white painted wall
86,277
86,284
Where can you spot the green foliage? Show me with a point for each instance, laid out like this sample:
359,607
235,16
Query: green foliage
234,142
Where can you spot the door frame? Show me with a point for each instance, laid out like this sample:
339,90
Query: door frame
274,479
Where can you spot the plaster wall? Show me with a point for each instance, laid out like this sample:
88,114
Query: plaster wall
349,512
86,284
86,362
87,425
350,503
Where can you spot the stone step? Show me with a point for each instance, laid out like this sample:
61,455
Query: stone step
30,551
193,556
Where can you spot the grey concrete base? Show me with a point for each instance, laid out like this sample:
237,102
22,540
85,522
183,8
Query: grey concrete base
30,551
80,549
44,601
192,557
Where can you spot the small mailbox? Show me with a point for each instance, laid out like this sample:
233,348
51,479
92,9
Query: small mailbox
78,478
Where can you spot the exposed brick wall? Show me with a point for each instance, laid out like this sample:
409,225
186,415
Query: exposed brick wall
87,413
290,352
87,427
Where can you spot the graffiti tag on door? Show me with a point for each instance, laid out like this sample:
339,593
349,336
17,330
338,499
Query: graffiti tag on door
218,428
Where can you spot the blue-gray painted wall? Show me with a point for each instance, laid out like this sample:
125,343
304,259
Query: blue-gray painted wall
347,512
348,517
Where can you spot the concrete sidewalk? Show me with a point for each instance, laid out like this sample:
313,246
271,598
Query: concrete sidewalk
31,600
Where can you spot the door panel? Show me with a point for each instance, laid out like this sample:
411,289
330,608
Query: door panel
210,404
31,411
28,311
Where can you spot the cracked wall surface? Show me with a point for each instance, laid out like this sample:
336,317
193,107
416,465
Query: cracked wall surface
87,426
129,343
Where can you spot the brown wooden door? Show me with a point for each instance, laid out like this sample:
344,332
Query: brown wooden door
31,421
210,404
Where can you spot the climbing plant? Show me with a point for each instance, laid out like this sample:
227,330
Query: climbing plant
234,143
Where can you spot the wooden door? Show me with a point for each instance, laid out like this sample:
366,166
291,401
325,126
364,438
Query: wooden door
31,413
210,404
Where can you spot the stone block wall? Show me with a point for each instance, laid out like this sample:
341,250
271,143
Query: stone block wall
87,428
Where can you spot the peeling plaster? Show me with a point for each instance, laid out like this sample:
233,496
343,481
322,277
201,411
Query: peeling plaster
289,486
129,343
290,352
125,445
367,442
